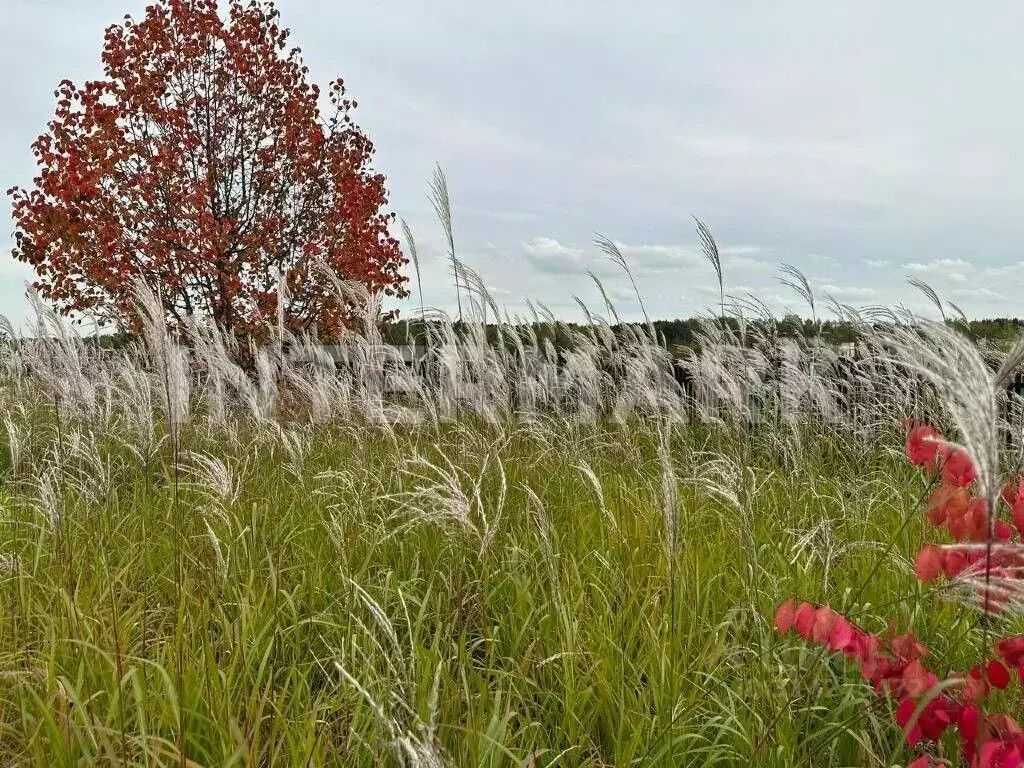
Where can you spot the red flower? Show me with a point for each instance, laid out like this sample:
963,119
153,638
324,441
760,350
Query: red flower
904,712
907,647
953,562
916,680
948,505
1000,754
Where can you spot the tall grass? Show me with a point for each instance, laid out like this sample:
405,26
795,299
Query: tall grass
514,557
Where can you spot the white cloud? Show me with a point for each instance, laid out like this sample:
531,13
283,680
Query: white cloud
939,266
822,258
978,293
741,250
548,255
738,263
850,291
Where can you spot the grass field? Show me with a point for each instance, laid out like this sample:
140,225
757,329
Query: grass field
197,570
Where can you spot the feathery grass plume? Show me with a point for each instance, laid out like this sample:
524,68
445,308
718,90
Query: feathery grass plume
211,476
961,317
796,280
442,204
60,363
447,495
611,249
709,248
8,332
86,470
929,294
49,500
608,305
588,472
669,490
167,357
412,740
966,387
478,294
16,444
822,544
410,243
545,536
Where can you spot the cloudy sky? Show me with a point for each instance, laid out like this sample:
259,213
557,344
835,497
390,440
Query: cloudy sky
863,142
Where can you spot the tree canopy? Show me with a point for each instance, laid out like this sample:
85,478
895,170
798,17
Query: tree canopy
201,163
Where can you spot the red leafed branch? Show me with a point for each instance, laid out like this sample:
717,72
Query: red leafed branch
985,565
202,163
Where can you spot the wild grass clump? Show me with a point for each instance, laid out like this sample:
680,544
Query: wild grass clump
506,555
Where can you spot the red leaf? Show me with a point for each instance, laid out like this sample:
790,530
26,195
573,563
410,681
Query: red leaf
997,674
803,620
905,711
928,565
923,444
968,722
842,635
957,468
784,616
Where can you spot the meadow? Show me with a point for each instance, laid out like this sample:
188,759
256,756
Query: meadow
529,557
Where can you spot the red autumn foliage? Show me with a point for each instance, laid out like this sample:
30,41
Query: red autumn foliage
201,163
923,444
985,560
894,666
957,468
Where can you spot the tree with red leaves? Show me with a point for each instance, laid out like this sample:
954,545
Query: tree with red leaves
201,163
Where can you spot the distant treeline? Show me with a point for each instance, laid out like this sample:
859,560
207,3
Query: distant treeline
674,334
683,332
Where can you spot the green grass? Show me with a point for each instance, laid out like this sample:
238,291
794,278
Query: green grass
135,636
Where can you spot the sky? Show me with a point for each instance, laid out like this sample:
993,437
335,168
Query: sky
865,143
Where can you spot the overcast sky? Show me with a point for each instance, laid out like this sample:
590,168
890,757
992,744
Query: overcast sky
862,142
